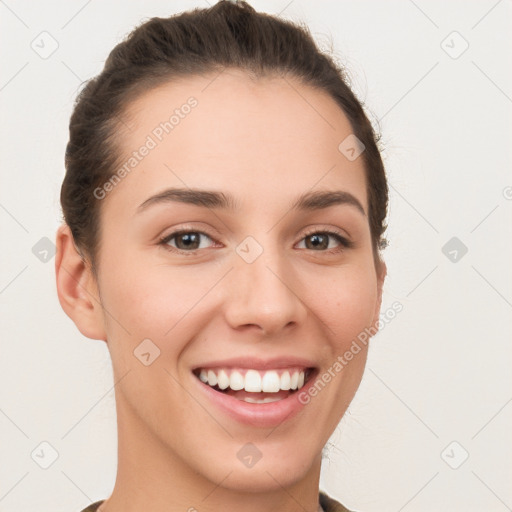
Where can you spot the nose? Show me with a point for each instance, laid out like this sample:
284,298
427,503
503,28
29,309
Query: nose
264,295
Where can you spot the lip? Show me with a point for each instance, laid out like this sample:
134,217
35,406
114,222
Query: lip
266,415
255,363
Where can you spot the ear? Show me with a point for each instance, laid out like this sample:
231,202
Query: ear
382,271
77,288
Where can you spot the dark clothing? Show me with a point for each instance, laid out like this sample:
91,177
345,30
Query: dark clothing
327,503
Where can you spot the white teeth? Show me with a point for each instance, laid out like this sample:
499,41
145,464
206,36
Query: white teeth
236,381
285,381
293,382
212,378
271,383
262,401
223,379
253,381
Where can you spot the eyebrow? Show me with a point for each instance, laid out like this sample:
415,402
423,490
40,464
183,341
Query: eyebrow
317,200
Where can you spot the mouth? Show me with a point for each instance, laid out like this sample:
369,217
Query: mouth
256,386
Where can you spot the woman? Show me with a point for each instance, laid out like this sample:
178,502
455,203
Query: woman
224,205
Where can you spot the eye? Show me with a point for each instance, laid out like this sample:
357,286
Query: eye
320,240
186,241
190,241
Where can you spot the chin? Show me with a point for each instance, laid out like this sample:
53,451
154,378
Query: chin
273,471
265,479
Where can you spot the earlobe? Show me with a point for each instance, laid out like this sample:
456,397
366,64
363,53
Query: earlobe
77,288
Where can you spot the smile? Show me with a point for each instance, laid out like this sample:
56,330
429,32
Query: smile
255,386
255,391
255,381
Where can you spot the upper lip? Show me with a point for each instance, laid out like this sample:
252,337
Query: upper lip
258,363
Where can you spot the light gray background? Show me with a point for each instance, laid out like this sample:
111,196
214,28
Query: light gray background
438,373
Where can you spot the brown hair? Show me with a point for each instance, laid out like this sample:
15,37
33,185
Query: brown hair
197,42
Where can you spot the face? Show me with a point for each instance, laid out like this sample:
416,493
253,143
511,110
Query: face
243,286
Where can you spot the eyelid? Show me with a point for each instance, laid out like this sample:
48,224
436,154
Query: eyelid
326,229
185,228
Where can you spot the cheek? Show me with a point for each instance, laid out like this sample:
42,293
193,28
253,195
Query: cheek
151,301
347,303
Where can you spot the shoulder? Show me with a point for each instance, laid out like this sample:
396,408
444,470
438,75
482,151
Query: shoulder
331,505
93,507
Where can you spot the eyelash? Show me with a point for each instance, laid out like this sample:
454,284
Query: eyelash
345,244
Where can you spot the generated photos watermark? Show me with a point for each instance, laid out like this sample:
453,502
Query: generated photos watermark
152,140
354,349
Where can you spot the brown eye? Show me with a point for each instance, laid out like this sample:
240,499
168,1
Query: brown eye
319,241
187,241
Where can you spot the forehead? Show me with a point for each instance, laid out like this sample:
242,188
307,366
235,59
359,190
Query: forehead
229,132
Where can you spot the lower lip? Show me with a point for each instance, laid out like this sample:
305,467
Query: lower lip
267,415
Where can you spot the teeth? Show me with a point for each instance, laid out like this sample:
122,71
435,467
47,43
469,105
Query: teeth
223,380
254,381
285,381
262,401
293,382
271,383
236,381
212,378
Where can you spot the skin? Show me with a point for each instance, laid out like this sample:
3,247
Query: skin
263,143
